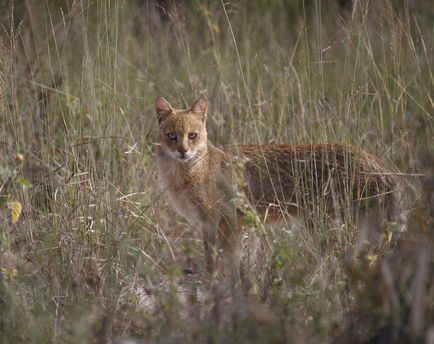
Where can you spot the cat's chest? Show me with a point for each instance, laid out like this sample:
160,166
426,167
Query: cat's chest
183,190
171,176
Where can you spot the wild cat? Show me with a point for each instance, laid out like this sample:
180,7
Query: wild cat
278,180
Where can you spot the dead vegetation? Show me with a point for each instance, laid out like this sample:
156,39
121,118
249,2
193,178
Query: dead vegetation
97,255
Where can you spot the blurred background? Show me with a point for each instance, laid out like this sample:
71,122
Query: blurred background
90,250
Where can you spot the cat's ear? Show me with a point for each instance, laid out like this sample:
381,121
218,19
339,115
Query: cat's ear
162,108
200,107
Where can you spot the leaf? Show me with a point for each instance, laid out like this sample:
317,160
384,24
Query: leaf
24,182
16,209
3,201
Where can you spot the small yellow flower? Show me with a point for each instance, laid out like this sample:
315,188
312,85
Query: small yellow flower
16,209
9,274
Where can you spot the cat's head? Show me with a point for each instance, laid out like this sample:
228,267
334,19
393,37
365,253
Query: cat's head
182,133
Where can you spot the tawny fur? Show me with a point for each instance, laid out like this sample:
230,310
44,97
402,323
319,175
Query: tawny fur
297,179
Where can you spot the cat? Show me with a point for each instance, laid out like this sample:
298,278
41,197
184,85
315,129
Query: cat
277,179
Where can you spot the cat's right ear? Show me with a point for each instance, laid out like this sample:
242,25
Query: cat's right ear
162,108
200,108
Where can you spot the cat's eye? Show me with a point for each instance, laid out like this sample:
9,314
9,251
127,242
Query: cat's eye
171,136
192,136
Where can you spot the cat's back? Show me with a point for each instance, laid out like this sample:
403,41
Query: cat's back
320,157
287,172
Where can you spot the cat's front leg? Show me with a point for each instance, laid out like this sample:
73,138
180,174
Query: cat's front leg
210,250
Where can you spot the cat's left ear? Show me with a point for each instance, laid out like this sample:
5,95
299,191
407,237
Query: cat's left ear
162,108
200,108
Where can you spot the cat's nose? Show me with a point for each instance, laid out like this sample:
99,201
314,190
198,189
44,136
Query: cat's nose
182,150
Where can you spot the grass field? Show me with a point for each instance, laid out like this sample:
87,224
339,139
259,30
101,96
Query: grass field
97,253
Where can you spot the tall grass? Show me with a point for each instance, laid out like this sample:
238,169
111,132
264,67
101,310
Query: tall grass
98,254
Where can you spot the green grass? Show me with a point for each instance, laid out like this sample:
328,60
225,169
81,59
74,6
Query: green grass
78,81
